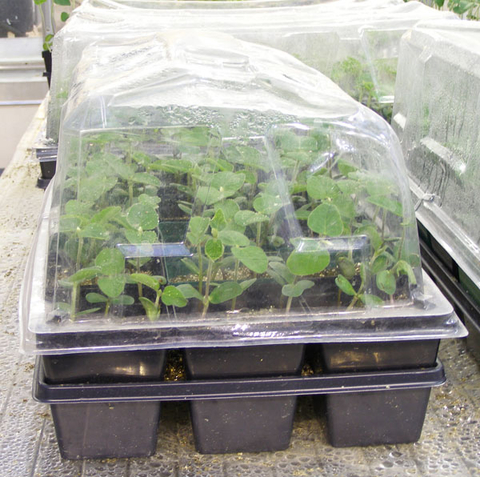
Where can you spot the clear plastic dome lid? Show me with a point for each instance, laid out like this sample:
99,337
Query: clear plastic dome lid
436,115
222,185
353,42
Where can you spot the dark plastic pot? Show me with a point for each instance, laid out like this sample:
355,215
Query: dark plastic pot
348,357
376,418
47,59
47,168
105,429
247,424
16,17
383,417
123,366
105,420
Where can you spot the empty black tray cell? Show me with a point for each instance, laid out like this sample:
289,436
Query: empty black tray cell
106,430
244,361
376,418
243,425
247,424
48,168
348,357
118,366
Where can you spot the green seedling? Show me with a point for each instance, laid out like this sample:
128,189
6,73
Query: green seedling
239,205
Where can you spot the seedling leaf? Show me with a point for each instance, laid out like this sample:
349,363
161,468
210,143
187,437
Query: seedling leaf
110,261
297,289
150,309
232,238
112,286
96,298
83,275
188,291
225,291
252,257
146,280
172,296
386,282
142,215
345,285
214,249
326,220
321,187
308,263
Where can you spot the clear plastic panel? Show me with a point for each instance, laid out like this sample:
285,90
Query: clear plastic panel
197,198
317,34
221,4
437,118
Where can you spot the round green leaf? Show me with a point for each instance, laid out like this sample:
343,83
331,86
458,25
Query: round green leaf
76,207
214,249
406,269
225,291
198,225
252,257
386,203
347,267
231,238
96,298
227,182
345,205
326,220
152,200
218,220
297,290
248,217
69,224
229,208
188,291
321,187
381,263
372,234
135,237
146,178
123,300
386,282
267,204
308,263
371,300
345,167
83,275
146,280
345,285
110,261
173,296
112,286
280,273
208,195
94,231
106,214
142,215
247,283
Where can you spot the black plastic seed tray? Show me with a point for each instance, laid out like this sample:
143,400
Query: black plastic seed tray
465,305
237,415
236,388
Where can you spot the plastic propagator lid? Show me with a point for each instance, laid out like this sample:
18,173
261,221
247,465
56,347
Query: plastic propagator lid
223,194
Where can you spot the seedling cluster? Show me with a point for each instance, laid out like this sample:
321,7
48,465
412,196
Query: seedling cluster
182,217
